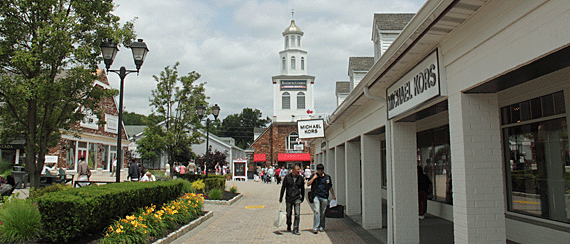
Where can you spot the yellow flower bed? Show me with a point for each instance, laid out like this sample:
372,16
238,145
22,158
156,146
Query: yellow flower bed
155,222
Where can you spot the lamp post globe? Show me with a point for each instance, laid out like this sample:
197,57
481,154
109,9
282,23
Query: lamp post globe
201,112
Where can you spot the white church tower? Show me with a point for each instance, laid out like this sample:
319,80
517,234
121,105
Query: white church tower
293,89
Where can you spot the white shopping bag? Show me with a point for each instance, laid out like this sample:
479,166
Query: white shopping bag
280,218
333,203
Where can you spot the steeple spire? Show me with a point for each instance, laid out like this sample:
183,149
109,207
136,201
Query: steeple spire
292,14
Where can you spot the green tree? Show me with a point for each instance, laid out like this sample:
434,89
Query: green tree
175,99
215,157
240,126
38,39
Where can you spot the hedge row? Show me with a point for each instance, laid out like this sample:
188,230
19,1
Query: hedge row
72,213
212,181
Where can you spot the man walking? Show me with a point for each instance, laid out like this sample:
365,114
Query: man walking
320,184
294,184
134,171
114,166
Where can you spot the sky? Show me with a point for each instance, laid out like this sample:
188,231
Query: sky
235,45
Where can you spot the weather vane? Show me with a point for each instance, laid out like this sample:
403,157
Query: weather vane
292,13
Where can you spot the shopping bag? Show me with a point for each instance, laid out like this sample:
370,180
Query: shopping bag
280,218
333,203
336,212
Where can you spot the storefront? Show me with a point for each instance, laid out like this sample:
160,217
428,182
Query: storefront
476,93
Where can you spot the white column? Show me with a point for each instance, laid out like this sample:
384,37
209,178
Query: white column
340,187
404,195
478,198
352,172
371,182
330,165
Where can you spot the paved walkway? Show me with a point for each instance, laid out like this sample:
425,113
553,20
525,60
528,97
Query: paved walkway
236,224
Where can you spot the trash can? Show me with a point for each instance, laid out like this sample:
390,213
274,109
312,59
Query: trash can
21,178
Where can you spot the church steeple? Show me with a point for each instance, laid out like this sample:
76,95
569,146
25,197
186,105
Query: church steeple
293,58
293,89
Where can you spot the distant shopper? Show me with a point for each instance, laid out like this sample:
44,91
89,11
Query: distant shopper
278,175
218,169
148,177
320,184
294,185
9,186
424,188
182,169
270,174
167,170
83,171
308,173
134,171
114,166
283,172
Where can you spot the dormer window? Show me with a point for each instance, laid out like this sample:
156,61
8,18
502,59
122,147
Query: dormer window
301,100
293,62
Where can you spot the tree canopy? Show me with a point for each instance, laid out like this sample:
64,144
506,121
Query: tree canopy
175,99
38,40
240,126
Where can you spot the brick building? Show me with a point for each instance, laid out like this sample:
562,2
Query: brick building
280,145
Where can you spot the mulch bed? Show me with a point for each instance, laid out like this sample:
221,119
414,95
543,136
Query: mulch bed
226,196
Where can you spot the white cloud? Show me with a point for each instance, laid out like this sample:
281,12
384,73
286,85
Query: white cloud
235,45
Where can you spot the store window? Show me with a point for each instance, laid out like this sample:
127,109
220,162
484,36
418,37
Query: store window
300,100
434,156
292,140
286,101
70,155
537,157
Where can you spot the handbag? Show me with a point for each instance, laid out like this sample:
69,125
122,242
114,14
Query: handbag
336,212
280,218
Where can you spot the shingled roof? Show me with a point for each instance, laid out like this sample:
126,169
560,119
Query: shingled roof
392,21
360,63
342,87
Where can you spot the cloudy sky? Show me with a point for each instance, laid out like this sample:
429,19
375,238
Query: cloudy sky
235,44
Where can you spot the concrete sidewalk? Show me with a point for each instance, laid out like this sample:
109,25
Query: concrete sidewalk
236,224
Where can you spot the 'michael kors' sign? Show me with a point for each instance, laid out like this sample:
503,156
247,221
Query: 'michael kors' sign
420,84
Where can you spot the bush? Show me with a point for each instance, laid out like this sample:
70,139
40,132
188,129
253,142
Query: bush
35,193
90,209
233,189
187,187
198,185
20,221
215,183
5,166
215,194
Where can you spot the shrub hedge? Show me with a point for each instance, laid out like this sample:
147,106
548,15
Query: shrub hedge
212,181
76,212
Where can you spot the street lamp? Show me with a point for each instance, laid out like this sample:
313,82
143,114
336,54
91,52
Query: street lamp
201,111
109,51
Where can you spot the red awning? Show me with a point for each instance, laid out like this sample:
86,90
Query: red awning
259,157
285,157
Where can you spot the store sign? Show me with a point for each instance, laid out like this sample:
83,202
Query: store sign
310,128
90,120
293,85
12,146
419,85
112,124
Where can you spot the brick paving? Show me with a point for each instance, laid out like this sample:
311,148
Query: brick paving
236,224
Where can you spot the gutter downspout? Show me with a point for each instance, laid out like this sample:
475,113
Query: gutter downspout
373,97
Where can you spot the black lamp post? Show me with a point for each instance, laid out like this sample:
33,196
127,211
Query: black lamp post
109,51
201,111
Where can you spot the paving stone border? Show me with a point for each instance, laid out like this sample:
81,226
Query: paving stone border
184,229
224,202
